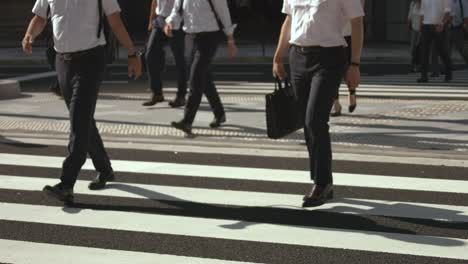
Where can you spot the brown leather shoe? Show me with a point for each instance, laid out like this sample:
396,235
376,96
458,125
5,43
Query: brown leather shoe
154,100
319,195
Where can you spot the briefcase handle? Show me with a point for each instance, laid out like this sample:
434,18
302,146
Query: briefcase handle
282,84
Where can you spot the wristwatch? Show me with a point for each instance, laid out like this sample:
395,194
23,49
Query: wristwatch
355,64
132,56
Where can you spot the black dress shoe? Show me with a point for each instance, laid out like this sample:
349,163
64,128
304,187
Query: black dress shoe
218,121
337,111
177,102
319,195
100,181
59,192
154,100
182,125
423,80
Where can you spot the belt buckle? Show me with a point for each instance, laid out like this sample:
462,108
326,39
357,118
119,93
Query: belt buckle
67,56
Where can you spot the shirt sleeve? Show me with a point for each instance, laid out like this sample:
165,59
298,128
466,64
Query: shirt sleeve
110,7
222,10
175,18
287,7
352,8
40,8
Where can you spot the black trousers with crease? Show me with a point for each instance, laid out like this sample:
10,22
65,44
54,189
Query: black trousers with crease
80,75
316,75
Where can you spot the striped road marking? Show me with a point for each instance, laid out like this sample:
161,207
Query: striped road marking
395,243
240,173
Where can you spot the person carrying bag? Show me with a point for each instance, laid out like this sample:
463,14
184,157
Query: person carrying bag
318,62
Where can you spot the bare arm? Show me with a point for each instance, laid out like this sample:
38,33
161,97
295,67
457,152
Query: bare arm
353,76
283,45
357,39
36,26
117,26
154,5
120,32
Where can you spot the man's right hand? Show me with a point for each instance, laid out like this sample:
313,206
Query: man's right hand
168,30
279,71
27,44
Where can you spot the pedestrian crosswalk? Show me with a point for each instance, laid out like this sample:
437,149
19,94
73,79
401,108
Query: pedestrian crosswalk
385,86
169,208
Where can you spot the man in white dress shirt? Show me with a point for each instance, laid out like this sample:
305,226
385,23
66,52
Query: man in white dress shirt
314,30
80,44
207,23
155,55
435,20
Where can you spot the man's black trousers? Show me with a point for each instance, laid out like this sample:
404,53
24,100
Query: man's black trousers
428,35
316,75
80,75
201,81
156,59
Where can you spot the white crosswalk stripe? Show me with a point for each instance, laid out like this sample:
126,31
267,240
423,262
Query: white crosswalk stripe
260,221
397,85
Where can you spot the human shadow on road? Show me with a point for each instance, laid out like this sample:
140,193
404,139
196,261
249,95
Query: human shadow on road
19,144
246,216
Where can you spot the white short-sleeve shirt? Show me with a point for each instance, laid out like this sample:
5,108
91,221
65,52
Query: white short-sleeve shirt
434,11
164,7
75,22
320,22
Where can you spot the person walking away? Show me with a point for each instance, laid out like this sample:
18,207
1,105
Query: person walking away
80,45
435,18
317,57
156,57
206,23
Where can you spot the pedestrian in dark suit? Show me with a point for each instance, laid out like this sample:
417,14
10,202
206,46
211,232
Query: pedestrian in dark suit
80,44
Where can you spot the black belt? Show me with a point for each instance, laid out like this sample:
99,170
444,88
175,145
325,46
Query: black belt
81,53
307,49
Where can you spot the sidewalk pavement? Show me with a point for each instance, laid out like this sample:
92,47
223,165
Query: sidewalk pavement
248,53
394,127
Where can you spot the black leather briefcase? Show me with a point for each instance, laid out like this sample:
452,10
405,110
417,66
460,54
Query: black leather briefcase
282,111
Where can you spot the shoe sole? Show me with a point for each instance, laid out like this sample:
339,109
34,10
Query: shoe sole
100,188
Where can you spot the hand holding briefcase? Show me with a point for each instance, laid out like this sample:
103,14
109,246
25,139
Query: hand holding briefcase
282,111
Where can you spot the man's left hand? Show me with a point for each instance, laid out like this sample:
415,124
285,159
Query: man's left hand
353,77
134,67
